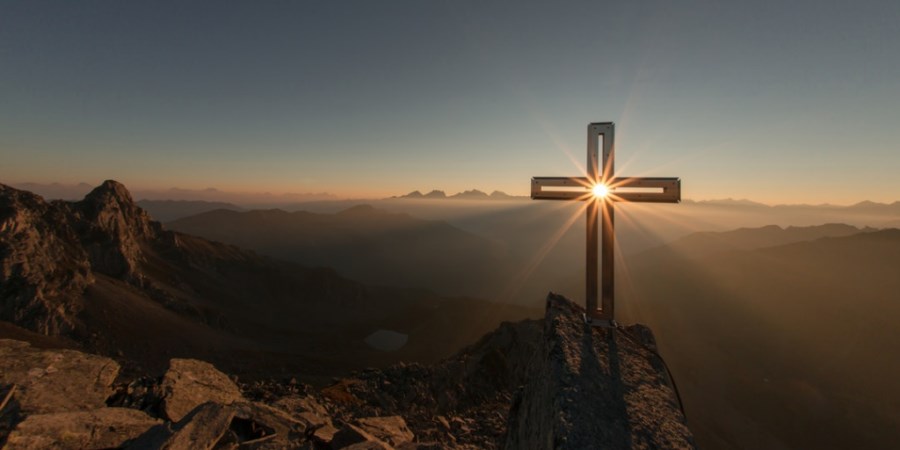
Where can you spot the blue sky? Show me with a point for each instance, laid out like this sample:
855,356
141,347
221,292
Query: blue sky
771,101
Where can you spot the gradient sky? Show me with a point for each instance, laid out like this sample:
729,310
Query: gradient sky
772,101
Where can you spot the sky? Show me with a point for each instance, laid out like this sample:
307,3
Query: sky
779,102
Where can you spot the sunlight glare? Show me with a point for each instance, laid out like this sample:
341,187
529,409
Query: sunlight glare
600,190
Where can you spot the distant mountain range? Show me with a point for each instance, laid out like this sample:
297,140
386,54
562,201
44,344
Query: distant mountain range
100,273
473,194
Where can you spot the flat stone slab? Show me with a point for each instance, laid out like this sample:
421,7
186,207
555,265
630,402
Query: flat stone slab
97,429
49,381
190,383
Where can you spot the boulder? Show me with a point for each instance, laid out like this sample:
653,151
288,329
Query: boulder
50,381
189,383
391,429
95,429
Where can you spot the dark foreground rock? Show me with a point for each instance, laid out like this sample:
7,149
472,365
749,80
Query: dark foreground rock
99,428
594,387
189,383
554,384
49,381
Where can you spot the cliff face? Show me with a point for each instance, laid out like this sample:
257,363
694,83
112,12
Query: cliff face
112,229
595,388
43,269
50,250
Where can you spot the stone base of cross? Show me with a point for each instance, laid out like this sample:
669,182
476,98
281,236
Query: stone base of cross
601,189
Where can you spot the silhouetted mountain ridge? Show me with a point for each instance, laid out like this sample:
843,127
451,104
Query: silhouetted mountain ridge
708,242
471,194
362,242
167,210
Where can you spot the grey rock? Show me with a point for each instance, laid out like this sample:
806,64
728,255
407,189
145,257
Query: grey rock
95,429
51,381
189,383
50,251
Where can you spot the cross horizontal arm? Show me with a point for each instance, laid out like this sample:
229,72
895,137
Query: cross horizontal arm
650,190
629,189
560,188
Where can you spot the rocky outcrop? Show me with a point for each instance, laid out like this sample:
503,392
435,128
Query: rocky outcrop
594,387
43,268
49,252
113,228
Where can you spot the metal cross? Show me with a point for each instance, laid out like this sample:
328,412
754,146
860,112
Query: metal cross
601,189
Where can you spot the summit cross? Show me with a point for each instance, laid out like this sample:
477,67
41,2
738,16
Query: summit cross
601,189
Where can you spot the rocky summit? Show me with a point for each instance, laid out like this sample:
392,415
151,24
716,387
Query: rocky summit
556,383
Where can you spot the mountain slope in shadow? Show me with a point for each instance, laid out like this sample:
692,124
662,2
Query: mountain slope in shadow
103,275
779,347
363,243
168,210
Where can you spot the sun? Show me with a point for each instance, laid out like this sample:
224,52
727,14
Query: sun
600,190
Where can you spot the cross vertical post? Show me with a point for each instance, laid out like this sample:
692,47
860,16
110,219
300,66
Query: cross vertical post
607,234
593,223
602,189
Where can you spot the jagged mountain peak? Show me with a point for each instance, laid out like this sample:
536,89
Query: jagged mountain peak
110,204
471,194
113,228
110,189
